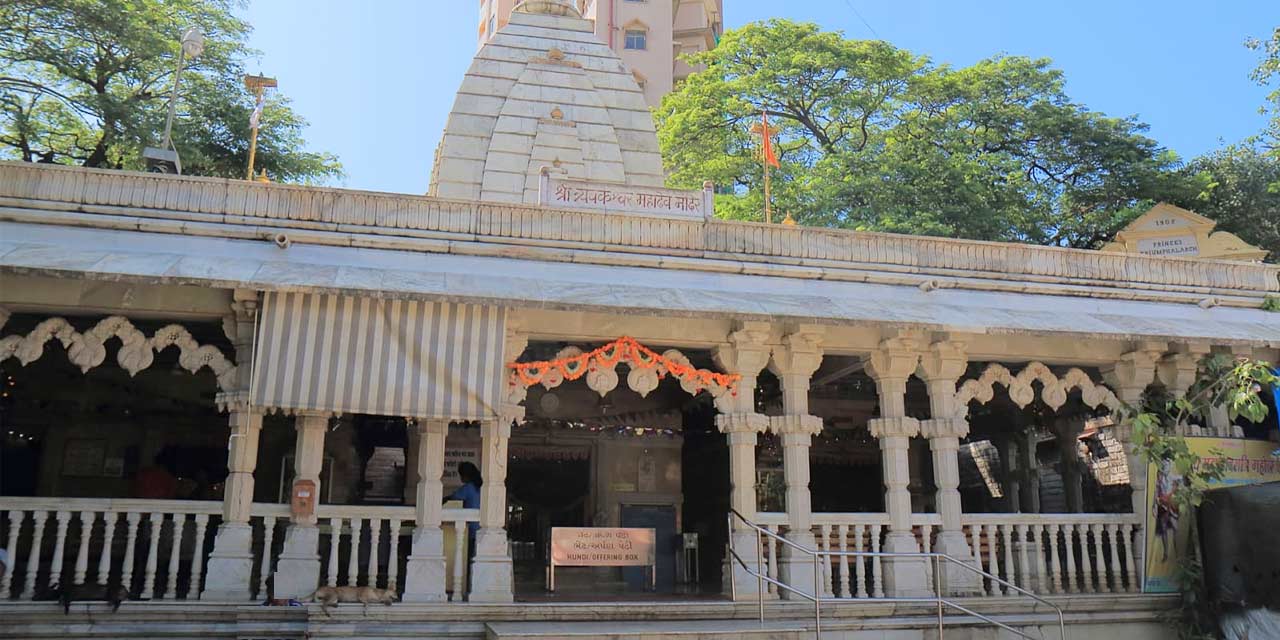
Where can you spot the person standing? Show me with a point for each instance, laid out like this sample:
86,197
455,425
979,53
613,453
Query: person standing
469,494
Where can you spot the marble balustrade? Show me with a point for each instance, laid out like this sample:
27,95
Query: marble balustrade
158,549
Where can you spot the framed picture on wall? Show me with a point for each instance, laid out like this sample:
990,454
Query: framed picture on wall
286,480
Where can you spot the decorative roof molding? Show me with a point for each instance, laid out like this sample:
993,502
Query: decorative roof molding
49,194
1053,393
137,352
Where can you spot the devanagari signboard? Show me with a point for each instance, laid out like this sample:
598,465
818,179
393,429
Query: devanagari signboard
563,193
602,547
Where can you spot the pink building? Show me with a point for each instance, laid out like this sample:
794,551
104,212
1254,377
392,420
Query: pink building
649,35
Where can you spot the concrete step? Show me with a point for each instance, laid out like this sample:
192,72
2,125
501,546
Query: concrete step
649,630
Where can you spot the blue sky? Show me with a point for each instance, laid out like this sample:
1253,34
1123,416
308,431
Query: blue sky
376,79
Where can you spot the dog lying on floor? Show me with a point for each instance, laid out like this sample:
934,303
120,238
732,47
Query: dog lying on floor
331,596
112,594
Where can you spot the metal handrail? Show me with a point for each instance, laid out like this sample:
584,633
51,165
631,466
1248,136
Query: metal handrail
817,600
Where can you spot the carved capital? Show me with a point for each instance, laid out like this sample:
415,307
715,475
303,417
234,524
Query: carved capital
796,424
893,427
946,360
800,353
742,423
744,351
1134,372
1176,371
896,359
944,428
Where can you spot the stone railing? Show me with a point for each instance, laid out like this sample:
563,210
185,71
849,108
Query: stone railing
434,224
1048,553
154,548
54,541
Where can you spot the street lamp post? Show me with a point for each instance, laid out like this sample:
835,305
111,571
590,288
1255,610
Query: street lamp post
165,159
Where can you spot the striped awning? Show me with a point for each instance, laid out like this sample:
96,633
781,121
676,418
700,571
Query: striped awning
346,354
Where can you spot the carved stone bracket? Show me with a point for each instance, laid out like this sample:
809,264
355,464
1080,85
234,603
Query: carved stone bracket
1023,393
944,428
893,427
742,423
797,424
88,349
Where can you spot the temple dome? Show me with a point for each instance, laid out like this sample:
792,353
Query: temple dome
545,92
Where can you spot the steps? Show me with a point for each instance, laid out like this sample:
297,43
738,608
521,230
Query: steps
649,630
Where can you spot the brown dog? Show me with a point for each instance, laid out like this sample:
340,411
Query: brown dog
331,596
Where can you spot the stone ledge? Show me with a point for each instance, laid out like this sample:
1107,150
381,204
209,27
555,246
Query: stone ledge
966,264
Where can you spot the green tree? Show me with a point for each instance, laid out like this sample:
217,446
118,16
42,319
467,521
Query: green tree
873,137
86,82
1264,74
1240,189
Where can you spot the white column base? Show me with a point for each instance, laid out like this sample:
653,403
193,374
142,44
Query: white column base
957,580
796,569
425,574
747,586
491,577
229,574
904,577
298,569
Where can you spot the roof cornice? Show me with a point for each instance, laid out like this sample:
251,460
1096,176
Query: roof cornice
802,252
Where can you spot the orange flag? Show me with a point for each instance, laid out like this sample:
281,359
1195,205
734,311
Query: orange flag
767,136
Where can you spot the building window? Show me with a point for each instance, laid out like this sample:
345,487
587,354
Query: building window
492,20
636,39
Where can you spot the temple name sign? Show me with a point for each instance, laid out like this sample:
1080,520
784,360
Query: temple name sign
601,547
608,197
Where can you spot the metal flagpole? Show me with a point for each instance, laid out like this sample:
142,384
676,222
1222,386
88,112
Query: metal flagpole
768,213
256,84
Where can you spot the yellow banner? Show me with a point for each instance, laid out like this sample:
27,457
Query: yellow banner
1168,534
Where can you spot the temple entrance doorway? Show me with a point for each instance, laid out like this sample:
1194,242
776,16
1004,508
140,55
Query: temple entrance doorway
618,459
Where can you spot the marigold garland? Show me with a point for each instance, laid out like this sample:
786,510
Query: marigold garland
624,349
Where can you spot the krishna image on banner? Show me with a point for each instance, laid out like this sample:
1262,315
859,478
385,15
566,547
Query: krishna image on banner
1168,534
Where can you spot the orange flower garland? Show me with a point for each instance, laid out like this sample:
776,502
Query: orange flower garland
624,349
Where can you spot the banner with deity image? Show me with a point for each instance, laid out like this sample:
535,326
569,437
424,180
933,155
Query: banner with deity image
1168,533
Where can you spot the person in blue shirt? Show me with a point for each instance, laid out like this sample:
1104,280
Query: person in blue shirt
469,494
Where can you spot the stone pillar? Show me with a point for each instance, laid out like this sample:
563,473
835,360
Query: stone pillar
491,577
230,568
1067,431
425,575
744,353
1129,378
1029,472
1012,485
298,568
942,368
794,363
412,476
1177,371
891,366
1220,423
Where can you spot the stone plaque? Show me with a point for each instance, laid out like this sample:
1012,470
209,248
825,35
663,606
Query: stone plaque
562,193
1169,246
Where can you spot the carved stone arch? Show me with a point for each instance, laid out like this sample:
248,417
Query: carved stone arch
1022,391
137,352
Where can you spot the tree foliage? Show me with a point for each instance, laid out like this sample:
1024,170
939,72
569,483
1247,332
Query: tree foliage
87,82
874,137
1267,72
1239,187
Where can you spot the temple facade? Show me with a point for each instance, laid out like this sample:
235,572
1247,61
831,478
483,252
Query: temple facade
220,392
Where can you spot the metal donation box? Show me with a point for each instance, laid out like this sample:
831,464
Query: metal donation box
601,547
